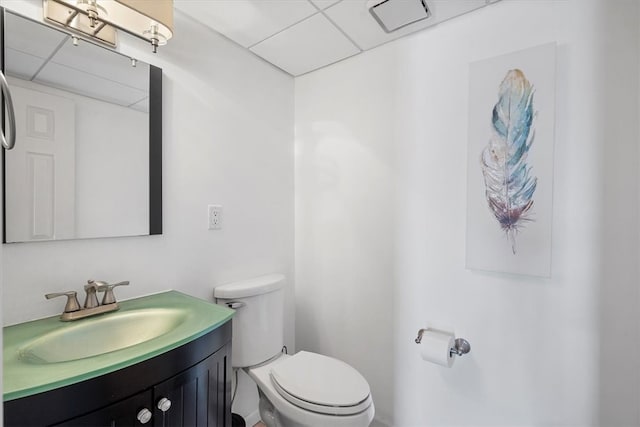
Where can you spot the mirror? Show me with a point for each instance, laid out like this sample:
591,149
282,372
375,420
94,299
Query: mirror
88,156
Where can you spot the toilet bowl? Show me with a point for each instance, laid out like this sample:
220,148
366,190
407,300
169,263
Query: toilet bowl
309,389
304,389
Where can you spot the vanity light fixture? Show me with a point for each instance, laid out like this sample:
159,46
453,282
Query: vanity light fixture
148,20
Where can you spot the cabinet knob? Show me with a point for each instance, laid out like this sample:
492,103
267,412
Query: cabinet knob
164,404
144,416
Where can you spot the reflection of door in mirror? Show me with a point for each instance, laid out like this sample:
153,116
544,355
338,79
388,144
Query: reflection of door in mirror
88,162
41,199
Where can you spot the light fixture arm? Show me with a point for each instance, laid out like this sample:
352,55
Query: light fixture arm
92,13
98,19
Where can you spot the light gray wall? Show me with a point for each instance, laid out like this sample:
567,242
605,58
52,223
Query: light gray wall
617,108
381,155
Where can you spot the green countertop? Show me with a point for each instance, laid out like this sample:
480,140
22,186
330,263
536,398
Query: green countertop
24,377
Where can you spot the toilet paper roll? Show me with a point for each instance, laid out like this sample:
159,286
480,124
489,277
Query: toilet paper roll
435,347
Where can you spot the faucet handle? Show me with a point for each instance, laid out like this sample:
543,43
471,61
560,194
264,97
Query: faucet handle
109,297
72,300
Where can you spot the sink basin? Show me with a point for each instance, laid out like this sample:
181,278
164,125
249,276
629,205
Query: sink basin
46,354
103,334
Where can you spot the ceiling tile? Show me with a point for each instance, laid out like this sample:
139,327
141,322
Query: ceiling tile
93,86
30,37
447,9
323,4
20,64
104,63
311,44
356,21
247,22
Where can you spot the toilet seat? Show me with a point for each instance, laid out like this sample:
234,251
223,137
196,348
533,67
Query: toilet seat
321,384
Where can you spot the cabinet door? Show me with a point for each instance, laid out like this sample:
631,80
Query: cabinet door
120,414
200,396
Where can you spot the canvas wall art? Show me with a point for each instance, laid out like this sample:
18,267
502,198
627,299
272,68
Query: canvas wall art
510,162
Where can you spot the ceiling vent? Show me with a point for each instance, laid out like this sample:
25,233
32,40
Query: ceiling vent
395,14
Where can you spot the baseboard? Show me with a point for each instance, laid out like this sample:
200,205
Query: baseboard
252,418
379,423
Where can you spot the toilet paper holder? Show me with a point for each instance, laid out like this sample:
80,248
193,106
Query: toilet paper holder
460,347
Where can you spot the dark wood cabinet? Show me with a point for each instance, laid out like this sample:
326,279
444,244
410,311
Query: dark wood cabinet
194,378
119,414
197,397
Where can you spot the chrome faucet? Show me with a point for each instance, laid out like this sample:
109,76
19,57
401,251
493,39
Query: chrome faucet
72,309
91,300
107,288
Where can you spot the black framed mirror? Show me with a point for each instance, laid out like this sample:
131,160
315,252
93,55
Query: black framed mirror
88,156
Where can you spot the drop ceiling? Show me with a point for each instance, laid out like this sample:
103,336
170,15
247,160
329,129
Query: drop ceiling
300,36
41,54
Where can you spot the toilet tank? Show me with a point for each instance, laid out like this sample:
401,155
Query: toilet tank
258,323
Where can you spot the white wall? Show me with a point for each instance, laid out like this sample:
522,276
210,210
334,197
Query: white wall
381,154
345,217
618,309
228,139
111,194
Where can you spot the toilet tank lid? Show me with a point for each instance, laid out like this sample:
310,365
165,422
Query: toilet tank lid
249,288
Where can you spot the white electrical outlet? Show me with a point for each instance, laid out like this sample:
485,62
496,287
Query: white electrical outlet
215,217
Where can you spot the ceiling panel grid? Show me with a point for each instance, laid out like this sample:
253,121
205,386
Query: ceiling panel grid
300,36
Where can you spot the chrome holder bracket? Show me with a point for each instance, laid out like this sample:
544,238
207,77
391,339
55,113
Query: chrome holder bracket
460,347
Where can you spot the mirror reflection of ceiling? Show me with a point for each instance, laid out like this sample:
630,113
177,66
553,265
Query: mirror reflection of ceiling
37,53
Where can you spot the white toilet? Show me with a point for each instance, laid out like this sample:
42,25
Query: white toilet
304,389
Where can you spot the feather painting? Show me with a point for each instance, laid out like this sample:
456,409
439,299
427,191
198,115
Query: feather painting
509,182
511,137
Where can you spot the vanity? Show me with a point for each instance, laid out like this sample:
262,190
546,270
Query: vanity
160,360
